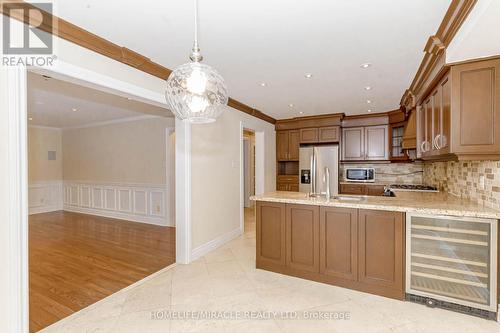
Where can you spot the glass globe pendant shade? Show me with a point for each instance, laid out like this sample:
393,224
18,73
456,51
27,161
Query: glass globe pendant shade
196,93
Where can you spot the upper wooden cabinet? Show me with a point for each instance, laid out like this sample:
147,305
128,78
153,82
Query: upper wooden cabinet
329,134
365,143
308,135
460,117
287,145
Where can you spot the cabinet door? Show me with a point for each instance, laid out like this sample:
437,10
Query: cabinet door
375,190
376,143
427,142
353,144
302,237
420,129
270,233
293,145
308,135
282,145
329,134
436,118
444,139
475,117
338,242
381,248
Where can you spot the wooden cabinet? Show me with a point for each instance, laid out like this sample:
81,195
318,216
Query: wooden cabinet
329,134
339,242
376,143
287,183
381,248
270,229
353,144
365,143
287,145
308,135
302,237
362,189
475,121
358,249
460,117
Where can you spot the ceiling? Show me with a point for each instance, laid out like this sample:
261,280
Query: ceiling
61,104
277,43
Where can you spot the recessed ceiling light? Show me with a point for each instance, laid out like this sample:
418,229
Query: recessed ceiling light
368,101
301,112
308,76
365,65
263,84
369,110
129,98
368,88
30,118
74,109
291,105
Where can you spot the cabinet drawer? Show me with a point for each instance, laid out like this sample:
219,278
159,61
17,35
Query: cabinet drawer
329,134
375,189
308,135
288,179
353,189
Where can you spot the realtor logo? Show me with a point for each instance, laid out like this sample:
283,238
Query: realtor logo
26,39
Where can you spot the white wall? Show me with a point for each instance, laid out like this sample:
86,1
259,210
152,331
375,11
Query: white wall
215,174
478,37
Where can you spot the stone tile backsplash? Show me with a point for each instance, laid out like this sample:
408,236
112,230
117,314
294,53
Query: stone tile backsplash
390,173
463,179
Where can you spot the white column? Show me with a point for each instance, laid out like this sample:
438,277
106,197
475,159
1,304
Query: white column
183,191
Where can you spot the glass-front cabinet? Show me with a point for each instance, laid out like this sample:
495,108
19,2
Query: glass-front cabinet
452,259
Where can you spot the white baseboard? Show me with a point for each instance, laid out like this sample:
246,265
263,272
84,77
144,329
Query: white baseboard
45,209
117,215
202,250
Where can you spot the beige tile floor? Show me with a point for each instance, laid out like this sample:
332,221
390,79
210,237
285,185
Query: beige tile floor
226,280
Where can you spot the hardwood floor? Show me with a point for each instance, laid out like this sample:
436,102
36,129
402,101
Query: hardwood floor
78,259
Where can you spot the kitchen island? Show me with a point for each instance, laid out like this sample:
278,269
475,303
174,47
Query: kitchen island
356,242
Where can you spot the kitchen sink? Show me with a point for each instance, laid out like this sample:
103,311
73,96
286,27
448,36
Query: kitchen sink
348,198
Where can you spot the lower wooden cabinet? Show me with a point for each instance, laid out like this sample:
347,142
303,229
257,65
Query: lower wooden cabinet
352,248
270,233
381,248
302,237
362,189
339,242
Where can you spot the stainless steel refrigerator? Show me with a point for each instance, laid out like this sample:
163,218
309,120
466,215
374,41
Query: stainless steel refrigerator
317,165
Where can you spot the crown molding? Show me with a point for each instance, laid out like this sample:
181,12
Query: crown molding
433,64
72,33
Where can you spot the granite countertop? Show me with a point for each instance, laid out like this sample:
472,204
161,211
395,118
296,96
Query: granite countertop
419,202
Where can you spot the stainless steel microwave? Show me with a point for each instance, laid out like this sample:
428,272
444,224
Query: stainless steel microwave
363,175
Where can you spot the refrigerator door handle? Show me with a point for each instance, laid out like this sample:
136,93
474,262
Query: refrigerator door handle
327,180
312,176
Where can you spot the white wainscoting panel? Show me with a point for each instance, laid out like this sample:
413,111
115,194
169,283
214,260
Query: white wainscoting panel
45,197
134,202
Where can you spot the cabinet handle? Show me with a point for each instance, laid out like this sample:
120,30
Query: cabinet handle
422,149
436,141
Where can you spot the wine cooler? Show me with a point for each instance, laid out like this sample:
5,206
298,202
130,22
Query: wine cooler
452,259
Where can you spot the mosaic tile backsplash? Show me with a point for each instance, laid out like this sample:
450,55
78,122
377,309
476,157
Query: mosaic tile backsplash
390,173
463,179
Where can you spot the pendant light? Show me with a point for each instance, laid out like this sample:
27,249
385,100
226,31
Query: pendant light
196,92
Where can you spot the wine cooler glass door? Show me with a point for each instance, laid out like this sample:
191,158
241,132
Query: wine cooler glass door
452,259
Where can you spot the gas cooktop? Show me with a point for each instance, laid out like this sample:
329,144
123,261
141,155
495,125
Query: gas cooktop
408,187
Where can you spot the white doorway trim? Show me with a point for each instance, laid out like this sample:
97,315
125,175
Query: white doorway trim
169,177
259,168
17,266
16,89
